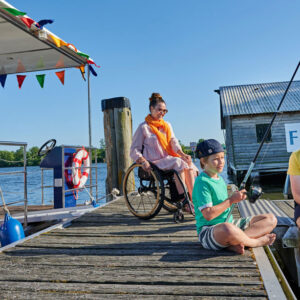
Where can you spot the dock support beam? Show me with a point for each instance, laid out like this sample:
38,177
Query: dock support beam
118,137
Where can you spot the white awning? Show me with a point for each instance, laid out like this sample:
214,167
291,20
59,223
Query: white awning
25,50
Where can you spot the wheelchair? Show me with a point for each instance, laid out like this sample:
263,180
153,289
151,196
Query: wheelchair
146,193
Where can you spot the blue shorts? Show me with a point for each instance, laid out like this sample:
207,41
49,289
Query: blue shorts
206,236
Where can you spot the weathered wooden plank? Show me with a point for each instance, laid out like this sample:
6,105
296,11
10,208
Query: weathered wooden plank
219,261
132,275
60,295
83,288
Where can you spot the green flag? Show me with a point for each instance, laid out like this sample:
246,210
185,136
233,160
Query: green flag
14,12
83,54
41,79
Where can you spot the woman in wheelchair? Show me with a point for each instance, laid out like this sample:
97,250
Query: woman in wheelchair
154,142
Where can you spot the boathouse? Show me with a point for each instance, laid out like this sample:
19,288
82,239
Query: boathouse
246,111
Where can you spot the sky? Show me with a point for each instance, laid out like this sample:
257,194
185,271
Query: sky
183,49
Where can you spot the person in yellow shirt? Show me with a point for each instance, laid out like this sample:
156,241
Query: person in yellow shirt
294,172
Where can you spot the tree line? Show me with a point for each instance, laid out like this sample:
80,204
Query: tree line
16,158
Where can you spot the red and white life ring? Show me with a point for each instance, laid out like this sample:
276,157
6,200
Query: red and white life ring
79,178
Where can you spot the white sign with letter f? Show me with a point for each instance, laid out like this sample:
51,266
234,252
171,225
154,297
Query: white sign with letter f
292,136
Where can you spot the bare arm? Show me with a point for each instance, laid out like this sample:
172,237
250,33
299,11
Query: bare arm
295,186
209,213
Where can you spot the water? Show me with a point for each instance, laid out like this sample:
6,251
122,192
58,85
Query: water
13,185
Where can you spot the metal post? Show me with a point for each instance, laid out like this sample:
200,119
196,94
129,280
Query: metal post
89,108
63,175
25,186
42,186
90,128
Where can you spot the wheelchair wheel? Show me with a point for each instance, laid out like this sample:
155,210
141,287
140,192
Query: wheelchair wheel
143,192
167,204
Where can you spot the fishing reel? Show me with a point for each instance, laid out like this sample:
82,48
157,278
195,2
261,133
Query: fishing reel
254,193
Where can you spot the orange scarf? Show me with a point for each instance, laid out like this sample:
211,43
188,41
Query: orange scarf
164,140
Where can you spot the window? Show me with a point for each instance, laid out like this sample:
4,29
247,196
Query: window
260,132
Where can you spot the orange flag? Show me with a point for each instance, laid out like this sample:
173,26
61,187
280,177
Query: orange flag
20,79
61,76
82,71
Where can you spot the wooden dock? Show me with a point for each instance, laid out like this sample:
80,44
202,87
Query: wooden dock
111,254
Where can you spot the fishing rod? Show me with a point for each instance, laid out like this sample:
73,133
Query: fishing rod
255,191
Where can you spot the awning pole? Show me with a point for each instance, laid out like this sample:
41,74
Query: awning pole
89,107
90,129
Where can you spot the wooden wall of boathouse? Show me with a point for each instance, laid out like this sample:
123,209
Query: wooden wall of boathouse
242,145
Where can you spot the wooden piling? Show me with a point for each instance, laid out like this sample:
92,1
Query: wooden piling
118,137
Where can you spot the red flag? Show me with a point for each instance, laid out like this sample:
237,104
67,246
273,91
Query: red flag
61,76
20,79
27,21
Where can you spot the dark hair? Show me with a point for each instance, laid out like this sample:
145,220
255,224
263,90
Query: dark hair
155,99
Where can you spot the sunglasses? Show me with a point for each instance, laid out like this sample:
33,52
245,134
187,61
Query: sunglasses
161,110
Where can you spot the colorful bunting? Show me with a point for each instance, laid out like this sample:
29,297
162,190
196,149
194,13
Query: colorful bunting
83,54
27,21
42,23
61,76
92,70
3,79
57,41
20,79
82,71
91,62
20,68
41,79
14,12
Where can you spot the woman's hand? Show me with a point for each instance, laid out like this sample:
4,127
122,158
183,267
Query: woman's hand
238,196
187,158
146,166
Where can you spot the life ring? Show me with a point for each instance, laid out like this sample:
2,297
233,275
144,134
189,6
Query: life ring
79,179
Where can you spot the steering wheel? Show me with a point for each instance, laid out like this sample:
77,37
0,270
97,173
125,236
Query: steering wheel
47,147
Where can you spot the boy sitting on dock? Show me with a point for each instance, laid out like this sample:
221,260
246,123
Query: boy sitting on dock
212,206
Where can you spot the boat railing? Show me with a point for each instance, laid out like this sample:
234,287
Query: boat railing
93,181
24,172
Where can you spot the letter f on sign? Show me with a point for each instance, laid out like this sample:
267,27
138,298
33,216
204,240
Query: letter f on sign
292,136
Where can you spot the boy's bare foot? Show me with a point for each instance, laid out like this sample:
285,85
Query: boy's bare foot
266,240
240,248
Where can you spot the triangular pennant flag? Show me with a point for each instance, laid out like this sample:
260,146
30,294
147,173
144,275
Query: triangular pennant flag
42,23
3,79
82,71
20,68
93,71
41,79
20,79
14,12
40,63
61,76
60,63
27,21
57,41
